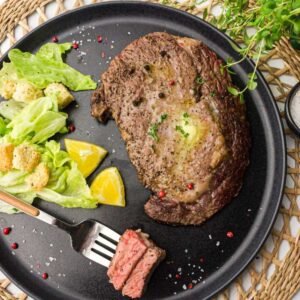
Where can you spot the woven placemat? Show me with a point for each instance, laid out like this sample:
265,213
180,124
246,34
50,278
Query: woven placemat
274,275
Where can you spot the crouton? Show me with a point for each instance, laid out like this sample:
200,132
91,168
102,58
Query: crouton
63,96
26,92
8,87
39,178
6,157
26,158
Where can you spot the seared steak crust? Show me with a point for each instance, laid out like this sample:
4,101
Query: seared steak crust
181,127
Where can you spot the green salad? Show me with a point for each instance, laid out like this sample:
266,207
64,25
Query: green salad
32,165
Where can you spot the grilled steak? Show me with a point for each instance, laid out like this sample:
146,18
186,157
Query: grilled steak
140,276
130,250
187,136
134,262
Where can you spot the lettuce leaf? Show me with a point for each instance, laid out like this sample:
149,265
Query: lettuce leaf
14,182
53,51
7,209
25,196
48,67
12,178
9,109
69,201
37,122
66,187
53,156
3,127
8,72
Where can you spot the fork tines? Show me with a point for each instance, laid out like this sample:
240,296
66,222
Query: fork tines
103,248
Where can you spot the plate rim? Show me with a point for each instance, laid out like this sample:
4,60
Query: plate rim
190,294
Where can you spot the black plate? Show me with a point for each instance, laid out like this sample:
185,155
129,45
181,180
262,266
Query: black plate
203,253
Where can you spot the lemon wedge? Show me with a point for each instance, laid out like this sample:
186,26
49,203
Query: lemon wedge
87,156
108,187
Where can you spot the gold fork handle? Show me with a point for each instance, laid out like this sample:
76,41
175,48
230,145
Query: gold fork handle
17,203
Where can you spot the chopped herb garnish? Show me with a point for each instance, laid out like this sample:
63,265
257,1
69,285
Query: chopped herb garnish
163,117
180,130
185,118
199,80
153,129
213,94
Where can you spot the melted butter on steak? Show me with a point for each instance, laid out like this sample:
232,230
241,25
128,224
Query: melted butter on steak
169,99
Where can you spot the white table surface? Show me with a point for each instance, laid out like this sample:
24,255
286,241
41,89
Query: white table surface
50,12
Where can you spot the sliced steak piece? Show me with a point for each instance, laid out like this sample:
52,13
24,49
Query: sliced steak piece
130,250
184,133
135,260
137,282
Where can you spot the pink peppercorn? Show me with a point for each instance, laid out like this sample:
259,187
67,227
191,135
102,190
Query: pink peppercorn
55,39
230,234
190,186
99,39
6,230
14,246
75,45
161,194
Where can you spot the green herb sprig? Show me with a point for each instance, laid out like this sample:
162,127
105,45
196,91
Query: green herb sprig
199,80
153,129
271,20
181,130
186,117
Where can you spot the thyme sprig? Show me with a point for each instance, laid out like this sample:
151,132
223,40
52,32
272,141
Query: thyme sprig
270,19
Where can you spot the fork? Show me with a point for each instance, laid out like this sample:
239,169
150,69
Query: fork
90,238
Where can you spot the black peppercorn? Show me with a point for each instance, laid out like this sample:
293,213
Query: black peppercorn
137,102
161,95
131,71
163,53
147,67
